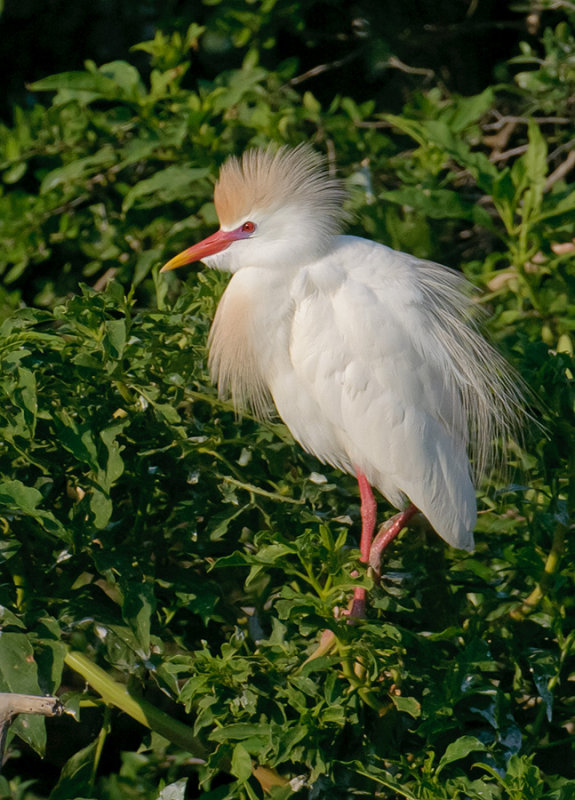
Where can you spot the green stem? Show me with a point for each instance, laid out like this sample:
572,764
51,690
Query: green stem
20,583
255,490
551,566
116,694
104,731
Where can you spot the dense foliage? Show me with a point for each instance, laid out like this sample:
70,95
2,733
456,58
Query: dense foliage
168,569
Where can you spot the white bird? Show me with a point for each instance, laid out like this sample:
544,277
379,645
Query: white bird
370,355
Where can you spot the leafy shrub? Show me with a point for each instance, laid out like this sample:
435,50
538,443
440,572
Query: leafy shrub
185,563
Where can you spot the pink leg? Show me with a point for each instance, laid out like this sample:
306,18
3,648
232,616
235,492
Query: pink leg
368,517
387,534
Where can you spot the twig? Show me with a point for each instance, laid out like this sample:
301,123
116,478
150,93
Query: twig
562,170
514,151
498,141
13,704
558,4
565,146
383,123
321,68
395,63
262,492
502,120
105,279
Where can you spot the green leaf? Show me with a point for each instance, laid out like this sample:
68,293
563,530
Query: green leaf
144,264
93,82
241,731
384,779
23,500
439,204
137,608
16,495
18,670
26,398
50,657
76,778
469,110
460,748
7,619
15,172
241,763
272,553
126,77
115,463
536,155
174,791
166,186
557,205
19,674
77,438
408,705
115,337
411,127
117,80
8,549
78,170
101,507
545,669
167,412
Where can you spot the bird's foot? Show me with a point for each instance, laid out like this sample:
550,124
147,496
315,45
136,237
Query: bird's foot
386,534
356,609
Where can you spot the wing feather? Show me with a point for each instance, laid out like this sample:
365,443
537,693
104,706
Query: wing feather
397,381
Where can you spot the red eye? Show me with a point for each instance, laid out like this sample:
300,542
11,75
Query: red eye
248,227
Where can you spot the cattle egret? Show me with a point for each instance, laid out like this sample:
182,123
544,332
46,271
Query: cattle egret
370,355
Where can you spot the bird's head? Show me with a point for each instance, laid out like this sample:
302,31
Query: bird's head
277,209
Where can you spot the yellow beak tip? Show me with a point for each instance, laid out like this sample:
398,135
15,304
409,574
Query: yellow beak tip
174,263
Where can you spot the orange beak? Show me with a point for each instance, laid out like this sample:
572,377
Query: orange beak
215,243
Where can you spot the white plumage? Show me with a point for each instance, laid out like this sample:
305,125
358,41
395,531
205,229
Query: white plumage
369,355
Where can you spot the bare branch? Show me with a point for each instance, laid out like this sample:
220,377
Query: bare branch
566,146
105,279
321,68
498,141
13,704
514,151
373,124
502,120
396,63
562,170
392,62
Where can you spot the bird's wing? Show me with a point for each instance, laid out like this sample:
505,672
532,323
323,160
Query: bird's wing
381,397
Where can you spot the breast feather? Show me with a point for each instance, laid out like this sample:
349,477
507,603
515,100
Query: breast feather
233,361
